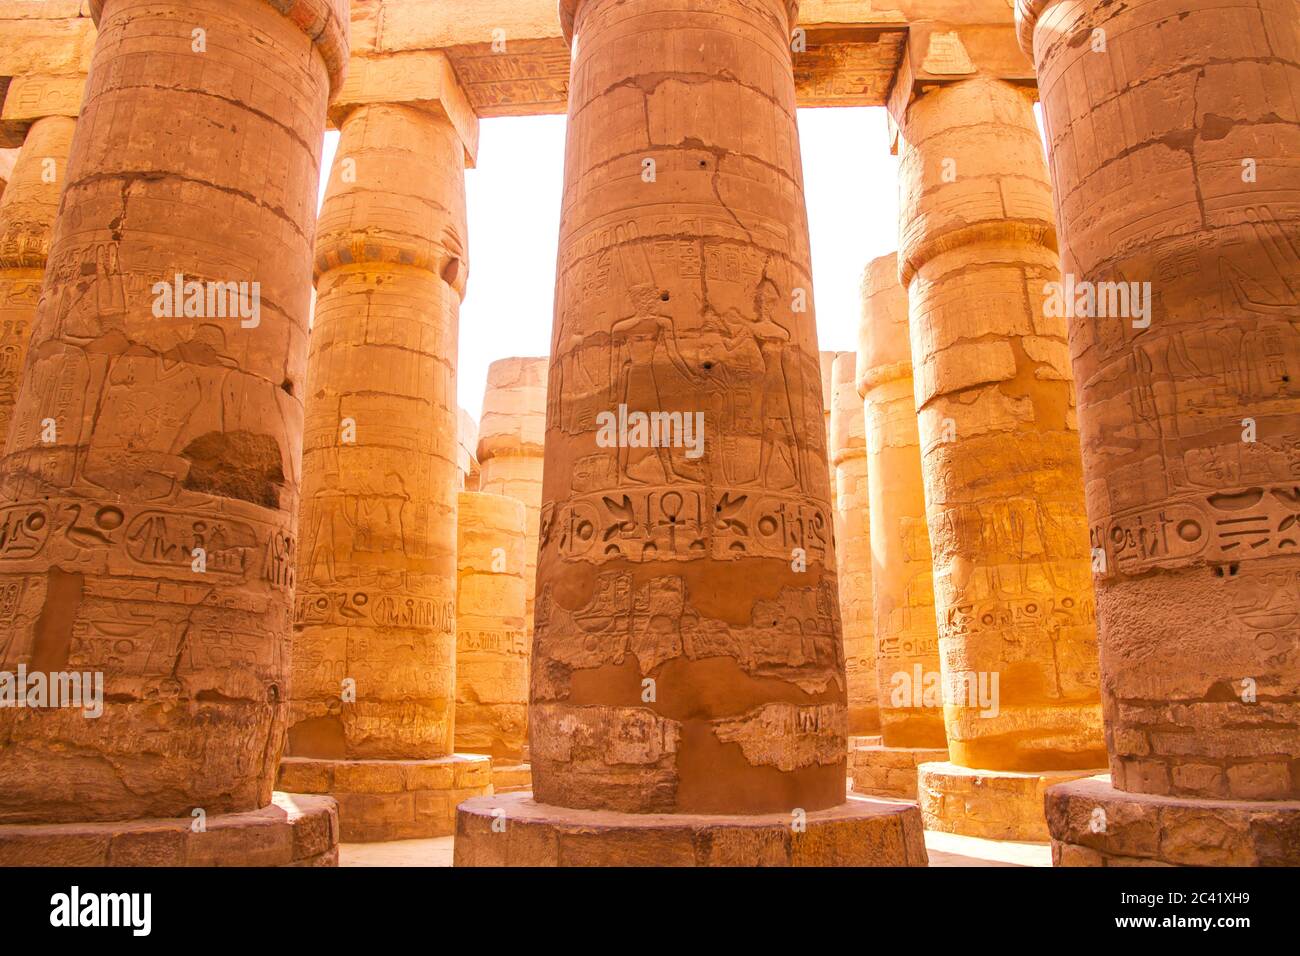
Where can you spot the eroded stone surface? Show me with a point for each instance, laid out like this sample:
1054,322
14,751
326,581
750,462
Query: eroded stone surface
491,646
514,830
151,534
377,568
293,830
687,292
1000,447
1095,824
1188,415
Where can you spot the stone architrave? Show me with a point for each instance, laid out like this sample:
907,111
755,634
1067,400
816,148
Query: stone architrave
374,687
848,461
1178,205
688,687
902,576
150,479
1000,460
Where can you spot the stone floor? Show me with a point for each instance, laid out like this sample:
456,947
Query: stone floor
946,849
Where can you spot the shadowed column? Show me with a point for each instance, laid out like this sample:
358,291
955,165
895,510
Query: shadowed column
1000,456
1174,139
151,477
688,688
27,210
902,577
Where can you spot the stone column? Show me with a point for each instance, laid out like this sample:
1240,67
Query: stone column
466,451
688,691
28,208
375,634
511,434
853,547
1000,459
491,645
902,576
826,360
1181,200
150,482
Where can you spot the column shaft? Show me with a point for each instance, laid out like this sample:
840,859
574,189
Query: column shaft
1183,180
491,648
28,208
377,568
151,475
853,544
685,290
511,435
907,643
998,433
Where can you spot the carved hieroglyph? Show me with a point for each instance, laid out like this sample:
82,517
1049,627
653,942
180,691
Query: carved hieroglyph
853,544
491,646
27,210
511,435
377,567
1190,417
999,439
902,575
681,662
150,535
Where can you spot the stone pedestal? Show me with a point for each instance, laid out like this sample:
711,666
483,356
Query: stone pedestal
1093,824
853,544
511,777
1000,448
994,804
293,830
28,207
859,832
907,645
889,771
688,685
150,483
512,431
491,649
374,636
1179,207
391,799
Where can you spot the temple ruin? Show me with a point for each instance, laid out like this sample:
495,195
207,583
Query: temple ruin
693,589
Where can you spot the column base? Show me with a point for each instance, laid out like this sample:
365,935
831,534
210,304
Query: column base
511,777
993,804
383,800
515,830
889,771
294,830
1139,829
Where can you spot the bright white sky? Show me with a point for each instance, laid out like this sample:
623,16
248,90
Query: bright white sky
850,179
